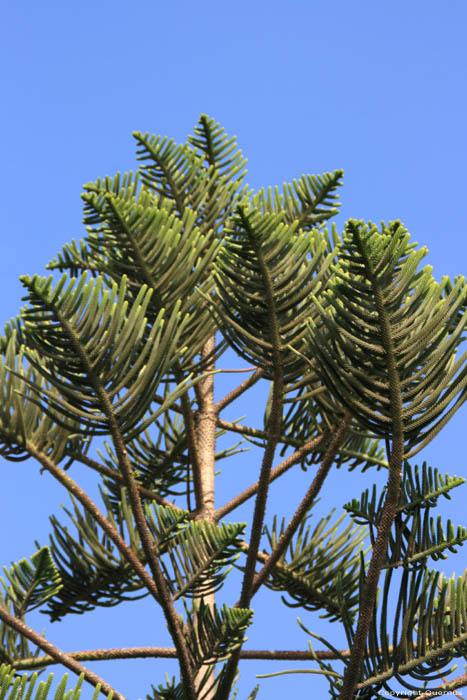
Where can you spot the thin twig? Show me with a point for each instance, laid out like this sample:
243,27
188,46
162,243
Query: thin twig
58,656
239,390
275,473
243,429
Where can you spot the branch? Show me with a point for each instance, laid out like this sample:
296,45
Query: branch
274,474
243,429
240,389
171,653
56,654
303,508
236,371
290,441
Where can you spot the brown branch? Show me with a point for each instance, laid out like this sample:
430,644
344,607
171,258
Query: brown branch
153,588
159,583
305,504
112,474
171,653
275,473
239,390
165,598
57,654
242,429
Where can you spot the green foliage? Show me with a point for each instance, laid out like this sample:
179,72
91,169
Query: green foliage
22,688
377,298
427,632
92,349
213,634
27,585
307,573
415,536
200,557
22,420
32,583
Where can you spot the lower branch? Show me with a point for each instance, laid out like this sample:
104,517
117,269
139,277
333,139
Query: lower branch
56,654
171,653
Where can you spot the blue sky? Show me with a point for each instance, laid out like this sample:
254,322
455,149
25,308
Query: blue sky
375,88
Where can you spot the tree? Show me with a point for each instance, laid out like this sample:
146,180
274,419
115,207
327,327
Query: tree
180,265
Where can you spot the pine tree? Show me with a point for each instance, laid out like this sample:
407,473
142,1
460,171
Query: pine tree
119,349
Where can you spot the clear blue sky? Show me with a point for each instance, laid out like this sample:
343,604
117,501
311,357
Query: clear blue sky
375,88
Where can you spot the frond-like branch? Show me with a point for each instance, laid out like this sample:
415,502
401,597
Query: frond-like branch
91,343
309,201
297,264
426,321
307,571
32,582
